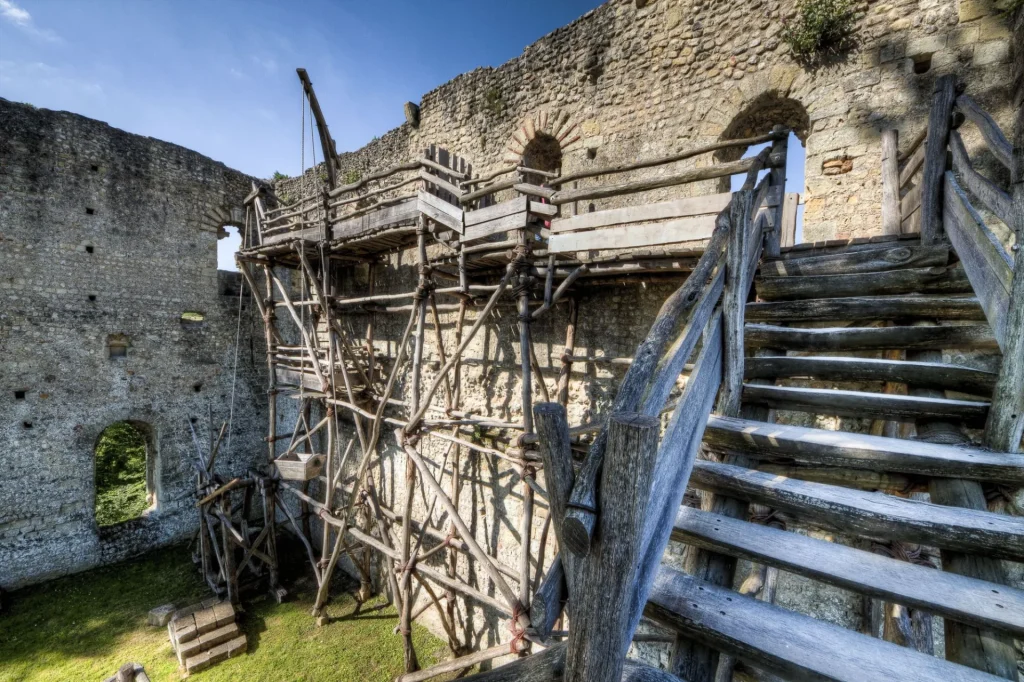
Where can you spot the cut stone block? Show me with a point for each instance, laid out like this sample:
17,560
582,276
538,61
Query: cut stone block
224,613
161,615
207,641
205,621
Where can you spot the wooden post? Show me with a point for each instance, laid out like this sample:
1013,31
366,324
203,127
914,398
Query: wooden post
935,159
229,551
780,149
601,632
891,218
734,303
1006,415
565,373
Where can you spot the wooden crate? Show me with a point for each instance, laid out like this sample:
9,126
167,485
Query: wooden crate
299,467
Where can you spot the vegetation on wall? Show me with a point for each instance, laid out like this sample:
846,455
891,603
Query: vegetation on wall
120,474
351,176
278,175
818,28
494,102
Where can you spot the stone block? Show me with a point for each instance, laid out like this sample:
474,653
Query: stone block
925,45
161,615
996,27
974,9
991,52
205,621
224,613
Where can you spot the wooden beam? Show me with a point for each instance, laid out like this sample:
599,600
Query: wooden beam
869,338
891,215
935,159
326,141
886,257
933,280
862,451
873,515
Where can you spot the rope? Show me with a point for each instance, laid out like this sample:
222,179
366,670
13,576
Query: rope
518,644
234,371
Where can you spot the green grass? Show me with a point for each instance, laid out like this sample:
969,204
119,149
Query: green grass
120,474
85,626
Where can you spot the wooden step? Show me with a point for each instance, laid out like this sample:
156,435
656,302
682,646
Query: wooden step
869,338
935,280
893,257
967,600
841,449
832,246
858,404
788,644
873,515
923,374
867,308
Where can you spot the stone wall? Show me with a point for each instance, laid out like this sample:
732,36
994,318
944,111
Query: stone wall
108,235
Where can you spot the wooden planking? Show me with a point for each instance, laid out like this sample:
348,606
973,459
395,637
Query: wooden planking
869,338
859,404
403,211
911,202
868,308
994,138
828,246
995,199
636,235
964,599
794,646
933,280
873,515
440,211
789,213
310,233
987,265
860,451
517,205
913,165
890,182
926,374
876,260
542,210
680,208
515,221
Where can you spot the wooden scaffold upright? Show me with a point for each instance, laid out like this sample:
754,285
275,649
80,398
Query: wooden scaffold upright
613,513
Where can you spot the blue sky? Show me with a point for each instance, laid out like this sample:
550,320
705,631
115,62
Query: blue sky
219,76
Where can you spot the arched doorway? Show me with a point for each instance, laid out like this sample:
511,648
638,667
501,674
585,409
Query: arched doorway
757,118
229,240
124,472
543,153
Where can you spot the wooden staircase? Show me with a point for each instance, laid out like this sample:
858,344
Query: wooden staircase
856,484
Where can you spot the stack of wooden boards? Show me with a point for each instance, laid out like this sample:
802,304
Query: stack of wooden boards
205,634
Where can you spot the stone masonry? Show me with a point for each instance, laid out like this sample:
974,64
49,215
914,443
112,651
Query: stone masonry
110,237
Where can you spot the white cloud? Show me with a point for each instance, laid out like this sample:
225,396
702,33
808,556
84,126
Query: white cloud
40,77
266,63
20,17
236,73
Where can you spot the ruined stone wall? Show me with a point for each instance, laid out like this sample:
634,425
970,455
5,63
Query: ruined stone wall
108,234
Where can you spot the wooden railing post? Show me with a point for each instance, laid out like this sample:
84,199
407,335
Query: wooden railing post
601,631
935,159
780,149
891,217
734,302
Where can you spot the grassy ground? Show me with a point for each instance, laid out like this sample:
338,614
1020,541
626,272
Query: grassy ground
85,626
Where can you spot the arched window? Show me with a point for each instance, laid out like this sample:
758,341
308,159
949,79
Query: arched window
229,240
543,153
124,483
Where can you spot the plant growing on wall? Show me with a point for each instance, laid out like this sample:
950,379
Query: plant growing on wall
278,175
818,28
351,176
494,103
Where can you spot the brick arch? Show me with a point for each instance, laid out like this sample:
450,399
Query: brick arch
557,123
217,217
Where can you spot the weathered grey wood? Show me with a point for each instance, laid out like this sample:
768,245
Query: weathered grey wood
860,404
994,138
874,515
720,170
515,221
483,215
987,266
635,235
600,633
844,449
961,598
678,450
933,280
441,211
913,164
549,599
850,308
406,210
779,150
734,300
914,145
995,199
541,209
930,374
556,451
895,257
935,159
869,338
797,647
679,208
1006,418
789,212
910,203
651,365
549,666
891,217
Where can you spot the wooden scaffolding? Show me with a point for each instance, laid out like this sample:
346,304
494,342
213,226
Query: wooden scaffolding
703,375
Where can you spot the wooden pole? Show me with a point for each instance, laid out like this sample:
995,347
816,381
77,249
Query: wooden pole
734,303
935,159
891,217
567,355
777,178
601,631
